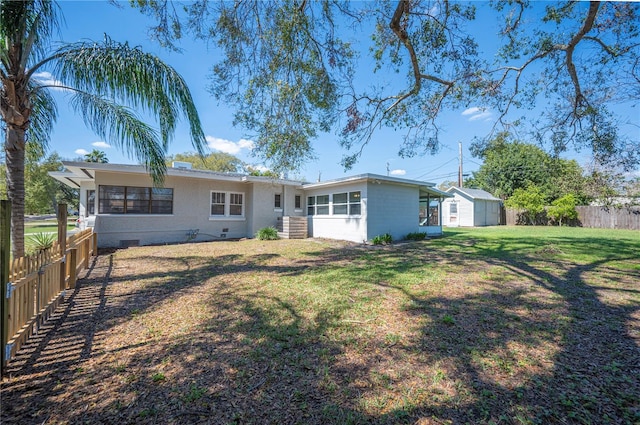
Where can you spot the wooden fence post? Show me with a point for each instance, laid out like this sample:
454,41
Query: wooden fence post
5,246
94,250
62,243
72,257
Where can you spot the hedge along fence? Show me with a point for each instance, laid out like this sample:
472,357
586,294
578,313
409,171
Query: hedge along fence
34,285
588,216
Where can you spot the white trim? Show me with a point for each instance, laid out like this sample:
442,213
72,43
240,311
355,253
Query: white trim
227,206
230,218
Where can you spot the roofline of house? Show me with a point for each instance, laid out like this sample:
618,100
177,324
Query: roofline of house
367,176
79,171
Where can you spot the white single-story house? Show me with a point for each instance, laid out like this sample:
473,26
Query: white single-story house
126,209
470,208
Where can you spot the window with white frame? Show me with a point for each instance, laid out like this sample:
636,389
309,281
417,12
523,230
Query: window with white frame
345,203
318,205
218,203
311,205
354,203
340,204
227,204
277,201
236,205
322,205
298,202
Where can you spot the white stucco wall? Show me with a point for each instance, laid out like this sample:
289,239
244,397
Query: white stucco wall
350,228
191,211
392,209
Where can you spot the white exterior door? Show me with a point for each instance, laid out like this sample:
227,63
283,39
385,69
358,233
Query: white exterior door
453,214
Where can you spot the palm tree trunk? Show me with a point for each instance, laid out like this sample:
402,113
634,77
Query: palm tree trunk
14,150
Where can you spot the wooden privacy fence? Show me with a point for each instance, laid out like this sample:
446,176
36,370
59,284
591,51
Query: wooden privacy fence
588,216
37,284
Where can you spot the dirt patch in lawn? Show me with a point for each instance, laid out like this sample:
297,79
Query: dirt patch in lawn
321,332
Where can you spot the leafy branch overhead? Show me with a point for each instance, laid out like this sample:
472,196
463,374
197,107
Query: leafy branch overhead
295,68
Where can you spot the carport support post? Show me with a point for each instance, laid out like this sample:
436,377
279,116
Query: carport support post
5,246
62,243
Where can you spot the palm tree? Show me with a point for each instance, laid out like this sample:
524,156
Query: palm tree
100,78
96,156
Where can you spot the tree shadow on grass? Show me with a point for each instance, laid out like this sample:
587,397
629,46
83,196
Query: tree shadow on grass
533,342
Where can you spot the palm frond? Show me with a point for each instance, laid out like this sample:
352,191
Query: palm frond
29,24
119,124
133,77
44,113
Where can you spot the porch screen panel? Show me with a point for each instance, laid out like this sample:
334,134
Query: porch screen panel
138,199
161,201
111,200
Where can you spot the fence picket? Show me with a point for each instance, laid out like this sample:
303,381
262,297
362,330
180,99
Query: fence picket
38,283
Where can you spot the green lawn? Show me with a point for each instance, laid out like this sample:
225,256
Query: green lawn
46,226
502,325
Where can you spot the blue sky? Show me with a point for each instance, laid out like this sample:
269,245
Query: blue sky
90,20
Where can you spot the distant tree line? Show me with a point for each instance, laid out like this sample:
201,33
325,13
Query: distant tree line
528,179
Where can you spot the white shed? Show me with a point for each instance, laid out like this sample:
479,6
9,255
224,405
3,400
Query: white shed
470,208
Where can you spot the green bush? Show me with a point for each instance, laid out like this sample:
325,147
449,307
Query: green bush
416,236
564,209
41,241
267,234
382,239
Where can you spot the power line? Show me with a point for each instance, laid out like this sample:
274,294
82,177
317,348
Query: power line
436,169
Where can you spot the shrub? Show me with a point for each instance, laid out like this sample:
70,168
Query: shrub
564,208
529,200
416,236
382,239
267,234
41,241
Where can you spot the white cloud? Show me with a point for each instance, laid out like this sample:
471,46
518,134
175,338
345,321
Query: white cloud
227,146
47,79
398,172
471,111
103,145
477,113
480,116
81,152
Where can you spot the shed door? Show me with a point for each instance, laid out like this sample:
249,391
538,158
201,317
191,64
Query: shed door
453,214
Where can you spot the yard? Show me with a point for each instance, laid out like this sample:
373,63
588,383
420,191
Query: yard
504,325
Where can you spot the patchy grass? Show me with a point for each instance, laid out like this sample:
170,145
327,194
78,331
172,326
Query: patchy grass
500,325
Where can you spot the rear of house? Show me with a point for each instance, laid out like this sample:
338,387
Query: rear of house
126,209
361,207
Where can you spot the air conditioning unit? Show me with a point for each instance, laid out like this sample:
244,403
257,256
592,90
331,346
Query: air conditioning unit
181,164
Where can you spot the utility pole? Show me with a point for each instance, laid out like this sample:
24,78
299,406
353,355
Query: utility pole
460,164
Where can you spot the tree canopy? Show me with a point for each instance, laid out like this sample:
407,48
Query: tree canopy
96,156
216,161
295,68
509,165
